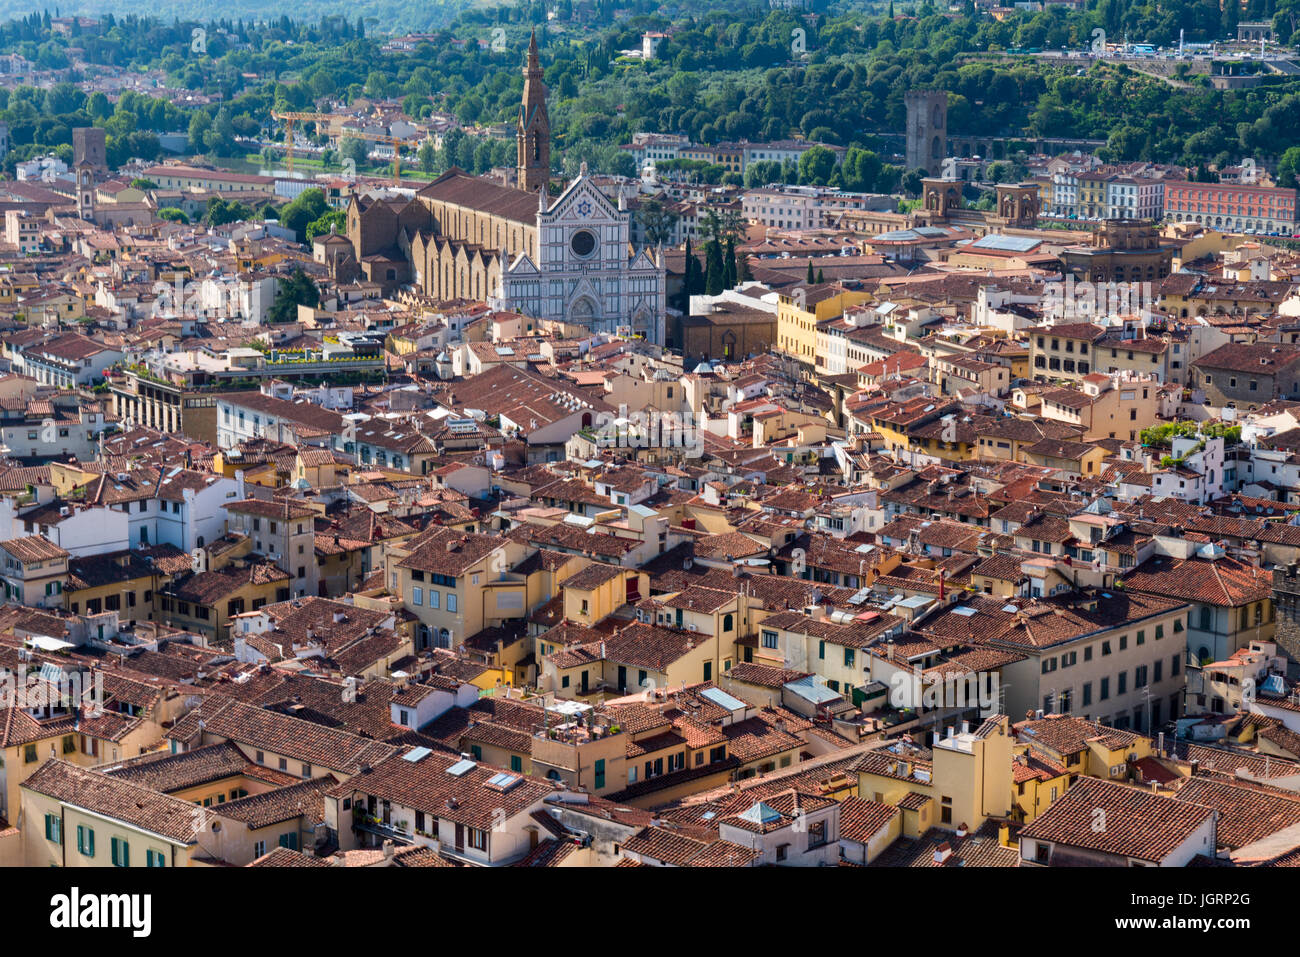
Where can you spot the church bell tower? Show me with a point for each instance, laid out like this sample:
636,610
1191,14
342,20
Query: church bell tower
533,171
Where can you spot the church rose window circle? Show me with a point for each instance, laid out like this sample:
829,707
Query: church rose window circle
583,243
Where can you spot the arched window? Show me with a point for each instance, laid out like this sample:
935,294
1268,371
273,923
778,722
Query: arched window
728,622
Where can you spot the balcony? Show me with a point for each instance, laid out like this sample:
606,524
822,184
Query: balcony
370,825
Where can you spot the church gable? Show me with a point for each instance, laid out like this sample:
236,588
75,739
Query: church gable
523,267
582,202
644,261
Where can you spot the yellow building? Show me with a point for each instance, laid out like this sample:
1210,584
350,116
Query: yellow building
1084,747
205,601
116,581
1039,782
74,817
456,584
801,311
967,780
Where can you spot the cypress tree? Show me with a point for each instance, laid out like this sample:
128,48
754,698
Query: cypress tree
713,268
810,280
688,279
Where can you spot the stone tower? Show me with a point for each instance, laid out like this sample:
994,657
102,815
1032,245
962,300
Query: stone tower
85,172
927,129
533,138
89,144
1017,205
1286,600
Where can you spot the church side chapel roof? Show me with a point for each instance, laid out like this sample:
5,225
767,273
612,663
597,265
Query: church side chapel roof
461,189
438,241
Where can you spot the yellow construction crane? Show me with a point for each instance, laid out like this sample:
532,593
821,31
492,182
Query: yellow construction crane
290,118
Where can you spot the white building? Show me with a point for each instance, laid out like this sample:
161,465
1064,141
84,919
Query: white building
585,273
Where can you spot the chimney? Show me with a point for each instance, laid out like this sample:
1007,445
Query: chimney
889,650
942,853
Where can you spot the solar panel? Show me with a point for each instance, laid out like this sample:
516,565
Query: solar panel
503,781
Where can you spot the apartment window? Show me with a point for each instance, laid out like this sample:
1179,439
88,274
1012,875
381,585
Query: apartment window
945,811
782,851
435,599
259,849
261,758
848,657
306,770
284,764
417,596
816,834
1105,648
1121,685
599,771
54,828
821,650
1104,691
451,601
154,859
29,753
478,839
86,840
1087,693
1173,665
121,853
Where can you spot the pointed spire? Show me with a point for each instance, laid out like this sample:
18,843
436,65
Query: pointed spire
534,61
